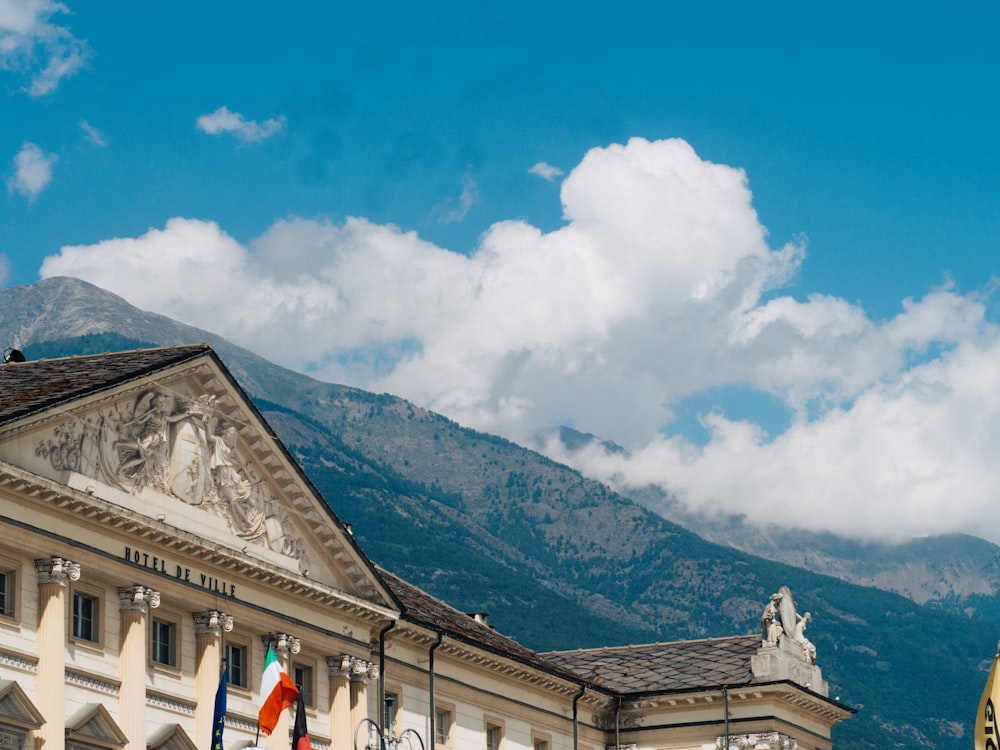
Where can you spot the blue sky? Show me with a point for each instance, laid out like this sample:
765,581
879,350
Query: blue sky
690,228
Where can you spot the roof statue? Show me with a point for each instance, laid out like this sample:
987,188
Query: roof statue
785,652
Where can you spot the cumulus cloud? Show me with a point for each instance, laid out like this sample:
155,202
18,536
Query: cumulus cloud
32,171
223,121
660,286
33,44
546,171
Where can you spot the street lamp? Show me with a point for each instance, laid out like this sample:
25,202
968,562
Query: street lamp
375,738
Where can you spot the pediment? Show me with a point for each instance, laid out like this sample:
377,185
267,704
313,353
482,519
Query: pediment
93,725
184,447
16,708
170,737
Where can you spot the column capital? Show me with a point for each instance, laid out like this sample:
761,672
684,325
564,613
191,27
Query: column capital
137,599
212,623
57,570
758,741
358,670
283,644
340,666
363,671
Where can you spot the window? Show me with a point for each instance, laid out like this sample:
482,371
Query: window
8,581
442,726
539,742
302,676
163,642
494,736
86,617
236,659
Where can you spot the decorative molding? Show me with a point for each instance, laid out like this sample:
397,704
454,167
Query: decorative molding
137,599
242,723
213,623
362,671
23,662
57,570
758,741
283,644
93,682
170,702
339,666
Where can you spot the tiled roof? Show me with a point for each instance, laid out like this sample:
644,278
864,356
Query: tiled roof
423,609
664,667
28,387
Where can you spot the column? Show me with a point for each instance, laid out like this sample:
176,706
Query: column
208,629
341,728
53,576
361,672
284,645
134,602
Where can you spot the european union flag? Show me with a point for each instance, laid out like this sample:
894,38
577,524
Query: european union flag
219,720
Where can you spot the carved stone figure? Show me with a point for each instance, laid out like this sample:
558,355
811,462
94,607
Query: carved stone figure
143,448
769,625
808,649
235,492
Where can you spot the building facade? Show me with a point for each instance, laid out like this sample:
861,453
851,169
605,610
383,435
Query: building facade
152,528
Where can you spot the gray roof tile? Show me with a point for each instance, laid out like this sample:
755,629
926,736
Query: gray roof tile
33,386
664,667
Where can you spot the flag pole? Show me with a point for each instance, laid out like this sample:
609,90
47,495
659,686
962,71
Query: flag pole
256,740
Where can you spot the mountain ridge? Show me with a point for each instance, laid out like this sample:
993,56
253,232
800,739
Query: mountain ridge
558,559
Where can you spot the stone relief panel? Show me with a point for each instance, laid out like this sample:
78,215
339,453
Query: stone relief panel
177,445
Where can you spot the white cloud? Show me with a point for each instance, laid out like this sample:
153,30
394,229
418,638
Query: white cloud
32,171
223,121
31,43
546,171
660,285
457,210
92,134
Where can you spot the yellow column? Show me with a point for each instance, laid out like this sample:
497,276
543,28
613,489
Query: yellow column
361,672
134,603
53,576
341,728
208,629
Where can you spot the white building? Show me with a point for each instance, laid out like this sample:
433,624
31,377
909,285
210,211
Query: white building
152,525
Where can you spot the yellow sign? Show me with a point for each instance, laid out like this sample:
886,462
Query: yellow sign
986,720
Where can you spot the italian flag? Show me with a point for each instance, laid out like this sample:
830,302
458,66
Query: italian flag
277,692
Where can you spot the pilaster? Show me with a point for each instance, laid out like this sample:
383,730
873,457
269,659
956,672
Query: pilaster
208,629
134,605
54,575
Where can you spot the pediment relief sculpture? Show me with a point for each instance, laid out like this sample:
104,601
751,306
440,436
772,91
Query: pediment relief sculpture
179,445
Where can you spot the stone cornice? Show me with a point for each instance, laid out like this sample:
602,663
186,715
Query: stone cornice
18,660
93,681
786,692
137,526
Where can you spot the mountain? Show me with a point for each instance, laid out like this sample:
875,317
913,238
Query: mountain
957,573
557,559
